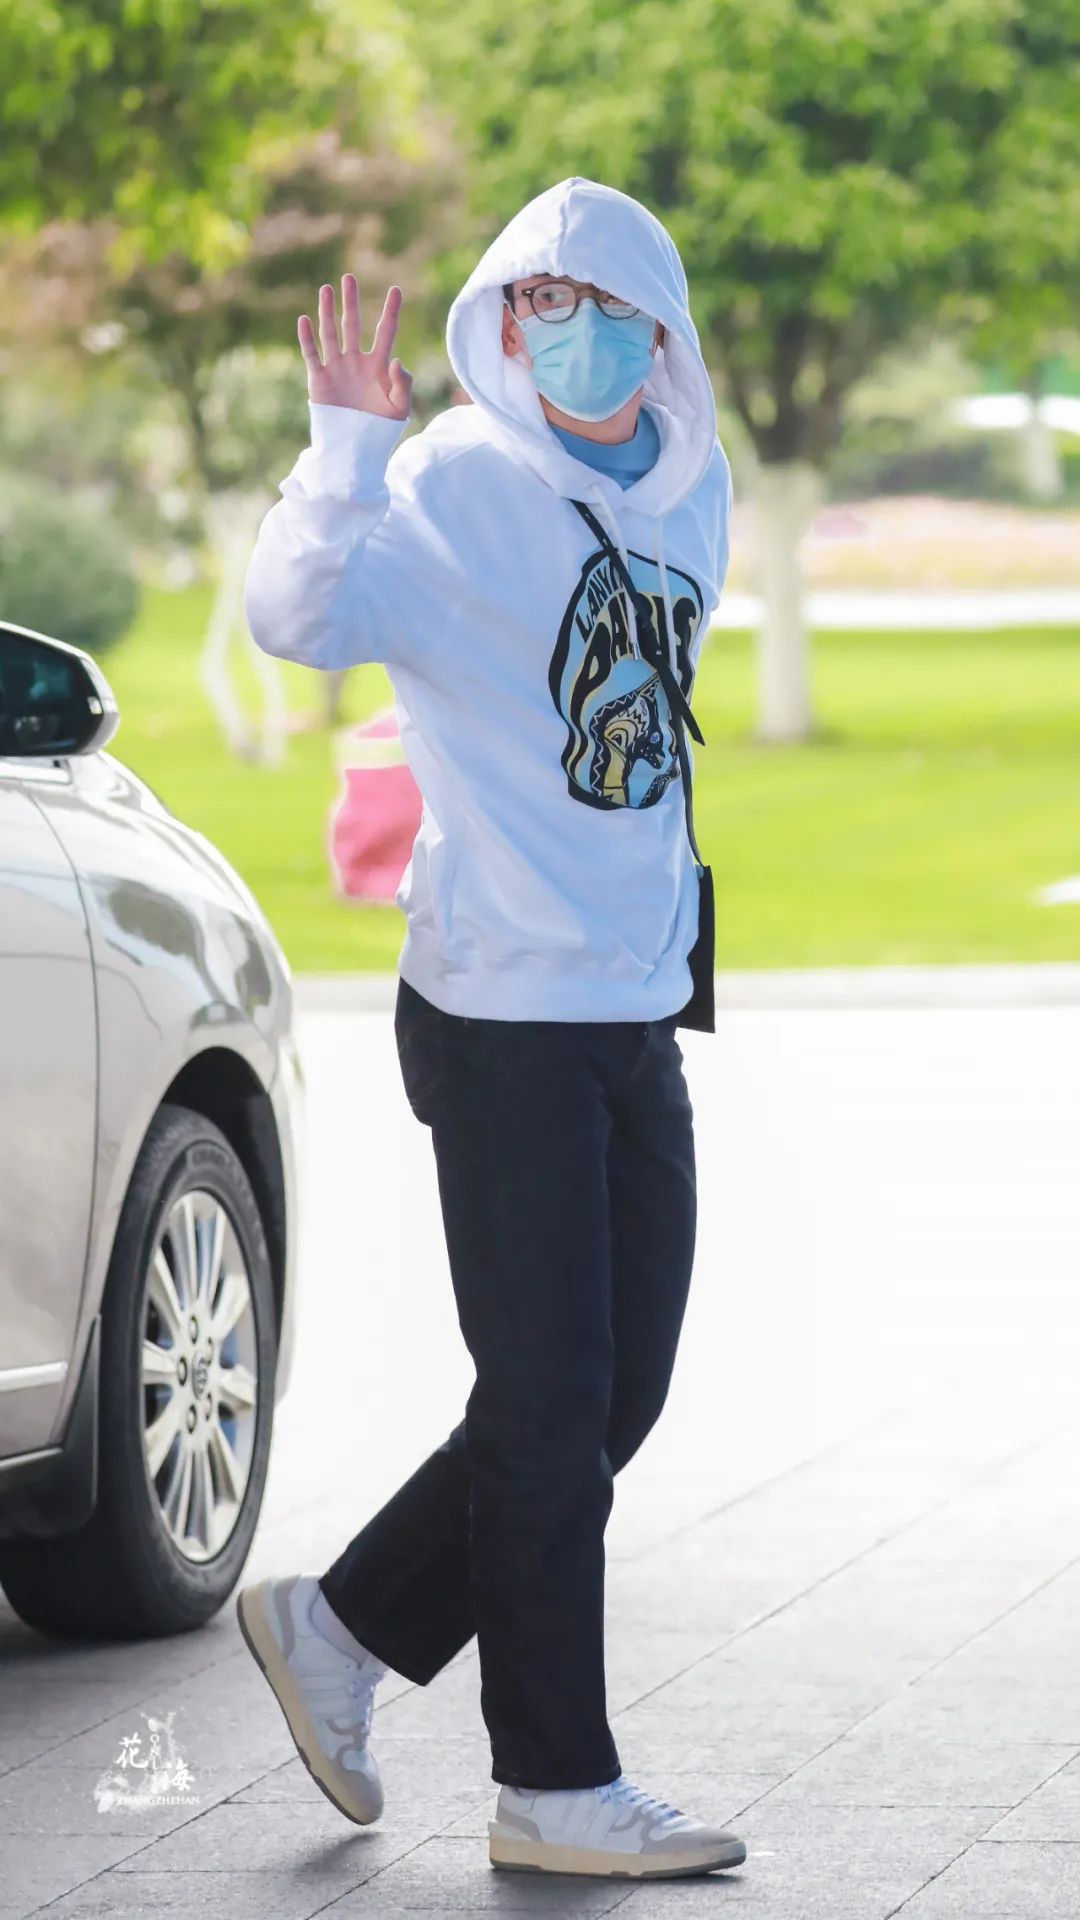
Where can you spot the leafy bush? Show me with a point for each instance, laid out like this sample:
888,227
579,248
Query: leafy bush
1070,462
64,569
879,458
901,434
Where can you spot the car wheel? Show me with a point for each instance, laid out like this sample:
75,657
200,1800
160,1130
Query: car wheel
188,1350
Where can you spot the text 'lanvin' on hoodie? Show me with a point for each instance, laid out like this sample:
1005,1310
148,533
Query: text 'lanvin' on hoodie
551,878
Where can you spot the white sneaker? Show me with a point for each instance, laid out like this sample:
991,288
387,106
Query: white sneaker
326,1697
616,1830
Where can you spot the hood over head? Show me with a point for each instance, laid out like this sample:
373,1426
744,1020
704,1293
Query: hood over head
589,232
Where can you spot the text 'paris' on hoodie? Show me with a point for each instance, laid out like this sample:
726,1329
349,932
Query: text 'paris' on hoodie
551,877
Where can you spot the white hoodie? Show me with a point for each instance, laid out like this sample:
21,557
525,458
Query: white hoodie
551,878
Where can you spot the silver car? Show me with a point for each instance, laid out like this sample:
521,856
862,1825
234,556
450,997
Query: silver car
151,1120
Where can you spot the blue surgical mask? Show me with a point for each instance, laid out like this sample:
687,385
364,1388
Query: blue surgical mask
590,365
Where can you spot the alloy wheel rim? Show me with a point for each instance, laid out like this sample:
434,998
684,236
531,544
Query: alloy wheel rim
199,1375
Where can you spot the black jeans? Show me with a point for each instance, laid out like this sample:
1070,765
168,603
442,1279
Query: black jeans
565,1159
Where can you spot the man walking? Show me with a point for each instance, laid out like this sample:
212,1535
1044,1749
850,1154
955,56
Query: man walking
537,571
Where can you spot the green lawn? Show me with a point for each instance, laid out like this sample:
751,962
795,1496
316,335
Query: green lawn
944,790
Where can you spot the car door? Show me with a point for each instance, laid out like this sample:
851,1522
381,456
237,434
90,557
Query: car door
48,1076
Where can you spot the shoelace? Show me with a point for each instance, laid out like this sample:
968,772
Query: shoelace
624,1791
361,1686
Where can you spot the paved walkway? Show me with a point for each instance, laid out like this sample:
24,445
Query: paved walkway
1038,984
844,1572
882,611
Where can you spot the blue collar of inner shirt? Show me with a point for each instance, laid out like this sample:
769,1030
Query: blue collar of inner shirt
627,456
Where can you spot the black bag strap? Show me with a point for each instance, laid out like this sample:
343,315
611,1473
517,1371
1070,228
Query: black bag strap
652,651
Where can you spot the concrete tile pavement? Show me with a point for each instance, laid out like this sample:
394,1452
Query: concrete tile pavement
1052,1812
995,1880
844,1573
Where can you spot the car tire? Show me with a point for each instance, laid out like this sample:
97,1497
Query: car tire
122,1576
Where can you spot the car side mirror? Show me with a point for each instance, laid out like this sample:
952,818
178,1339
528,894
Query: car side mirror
54,698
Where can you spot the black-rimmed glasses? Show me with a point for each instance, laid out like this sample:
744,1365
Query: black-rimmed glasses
557,300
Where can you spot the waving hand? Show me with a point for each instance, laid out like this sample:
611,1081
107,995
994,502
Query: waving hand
344,375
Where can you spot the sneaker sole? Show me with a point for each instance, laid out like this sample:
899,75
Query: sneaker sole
263,1647
539,1856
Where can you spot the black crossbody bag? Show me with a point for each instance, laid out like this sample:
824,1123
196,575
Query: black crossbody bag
700,1010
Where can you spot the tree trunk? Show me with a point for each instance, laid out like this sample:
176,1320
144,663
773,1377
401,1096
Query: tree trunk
232,521
786,495
1044,476
333,693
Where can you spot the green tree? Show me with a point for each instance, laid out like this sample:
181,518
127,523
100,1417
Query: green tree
207,164
158,113
839,175
221,349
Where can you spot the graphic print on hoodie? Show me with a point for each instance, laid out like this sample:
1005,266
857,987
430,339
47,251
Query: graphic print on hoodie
551,876
620,749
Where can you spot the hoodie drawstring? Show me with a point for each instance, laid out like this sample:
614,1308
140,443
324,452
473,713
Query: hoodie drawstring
656,656
610,521
669,611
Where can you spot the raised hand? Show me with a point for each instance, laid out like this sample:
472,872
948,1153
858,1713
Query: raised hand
345,376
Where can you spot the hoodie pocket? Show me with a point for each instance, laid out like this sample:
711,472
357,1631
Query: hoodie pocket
428,899
443,880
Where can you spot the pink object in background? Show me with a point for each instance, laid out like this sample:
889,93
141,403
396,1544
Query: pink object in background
374,819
